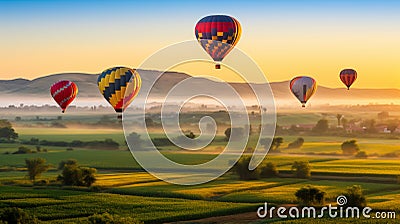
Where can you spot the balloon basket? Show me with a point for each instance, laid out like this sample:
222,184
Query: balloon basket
217,66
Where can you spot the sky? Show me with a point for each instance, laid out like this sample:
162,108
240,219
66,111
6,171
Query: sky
285,38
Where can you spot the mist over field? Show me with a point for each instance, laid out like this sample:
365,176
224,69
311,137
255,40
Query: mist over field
36,92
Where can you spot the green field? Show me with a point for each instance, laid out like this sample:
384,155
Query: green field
124,189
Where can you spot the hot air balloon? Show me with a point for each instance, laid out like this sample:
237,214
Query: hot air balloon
348,76
119,86
63,92
218,34
303,87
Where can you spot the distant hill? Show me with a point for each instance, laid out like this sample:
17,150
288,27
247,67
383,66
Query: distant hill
37,90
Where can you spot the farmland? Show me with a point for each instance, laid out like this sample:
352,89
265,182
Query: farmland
123,188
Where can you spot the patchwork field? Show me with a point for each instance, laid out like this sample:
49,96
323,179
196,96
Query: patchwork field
122,188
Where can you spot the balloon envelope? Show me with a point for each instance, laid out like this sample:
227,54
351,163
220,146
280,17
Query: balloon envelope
348,76
218,34
119,86
303,87
64,92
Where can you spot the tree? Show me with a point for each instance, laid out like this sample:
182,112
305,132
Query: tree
67,162
74,175
36,166
392,125
16,215
298,143
242,169
234,134
8,133
191,135
269,170
310,195
302,169
355,197
149,122
322,126
276,143
350,147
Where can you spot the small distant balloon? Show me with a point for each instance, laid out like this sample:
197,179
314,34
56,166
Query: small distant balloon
218,35
348,76
64,92
303,87
119,86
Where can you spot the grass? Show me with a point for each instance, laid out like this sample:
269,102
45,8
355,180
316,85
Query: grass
55,204
358,166
284,194
144,197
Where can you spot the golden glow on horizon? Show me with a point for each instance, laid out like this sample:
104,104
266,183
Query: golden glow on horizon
281,53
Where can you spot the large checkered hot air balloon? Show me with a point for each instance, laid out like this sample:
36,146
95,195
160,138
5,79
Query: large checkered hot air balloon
303,87
348,76
218,34
63,92
119,86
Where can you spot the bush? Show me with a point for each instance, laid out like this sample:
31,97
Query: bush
70,149
75,175
23,150
350,147
269,170
310,195
298,143
107,218
361,155
242,169
301,169
355,197
17,215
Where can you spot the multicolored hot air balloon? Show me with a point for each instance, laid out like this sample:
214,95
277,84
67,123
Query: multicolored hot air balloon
119,86
63,92
218,34
303,87
348,76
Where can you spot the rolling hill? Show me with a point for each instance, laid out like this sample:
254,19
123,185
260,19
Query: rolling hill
37,91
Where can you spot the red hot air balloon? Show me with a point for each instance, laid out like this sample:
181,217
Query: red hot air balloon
64,92
218,34
348,76
303,87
